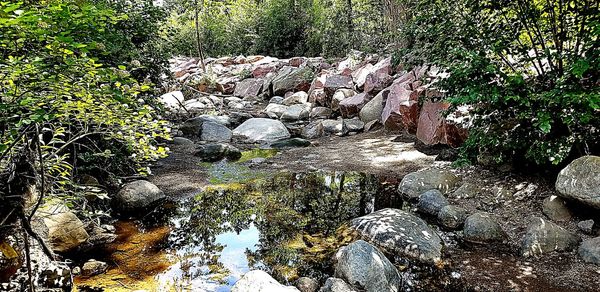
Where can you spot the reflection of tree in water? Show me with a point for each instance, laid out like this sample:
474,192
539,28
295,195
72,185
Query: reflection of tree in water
297,216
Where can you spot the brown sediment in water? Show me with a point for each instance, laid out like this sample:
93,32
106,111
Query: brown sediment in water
134,259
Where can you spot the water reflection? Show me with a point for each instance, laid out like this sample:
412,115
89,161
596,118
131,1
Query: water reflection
288,224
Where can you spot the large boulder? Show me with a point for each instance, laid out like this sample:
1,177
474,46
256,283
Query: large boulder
65,231
376,82
360,75
217,151
580,181
320,112
260,281
589,250
400,233
452,217
350,107
137,195
261,130
335,82
401,109
215,132
416,183
482,228
250,87
431,202
434,129
373,109
292,79
543,236
193,127
366,268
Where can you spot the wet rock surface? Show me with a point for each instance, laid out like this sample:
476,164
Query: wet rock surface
400,232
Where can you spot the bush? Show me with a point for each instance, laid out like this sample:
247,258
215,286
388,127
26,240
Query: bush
529,69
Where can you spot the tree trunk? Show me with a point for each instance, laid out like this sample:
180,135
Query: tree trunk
198,43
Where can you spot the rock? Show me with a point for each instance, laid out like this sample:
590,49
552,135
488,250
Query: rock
320,113
93,267
276,99
482,228
589,250
182,141
336,285
376,81
218,151
195,106
65,231
372,126
401,110
172,100
306,284
543,236
56,275
261,130
214,132
263,70
350,107
416,183
431,202
138,195
250,87
291,143
295,112
335,82
292,79
452,217
334,127
313,130
299,97
275,111
237,118
318,96
580,181
193,127
399,232
586,226
339,96
466,191
354,125
434,129
297,61
366,268
360,75
226,84
373,109
556,209
259,281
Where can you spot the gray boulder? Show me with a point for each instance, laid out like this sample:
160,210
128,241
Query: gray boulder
313,130
354,125
292,79
260,281
261,130
93,267
320,113
295,112
65,231
137,195
589,250
586,226
306,284
217,151
401,233
452,217
555,208
334,127
366,268
336,285
291,143
275,111
543,236
482,228
414,184
335,82
215,132
580,181
431,202
193,127
373,109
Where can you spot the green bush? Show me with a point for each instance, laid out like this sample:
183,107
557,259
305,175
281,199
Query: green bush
529,69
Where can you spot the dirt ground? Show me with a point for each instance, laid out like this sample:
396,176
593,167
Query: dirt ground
505,195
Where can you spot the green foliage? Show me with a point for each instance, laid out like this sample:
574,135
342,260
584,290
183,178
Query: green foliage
529,69
56,93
